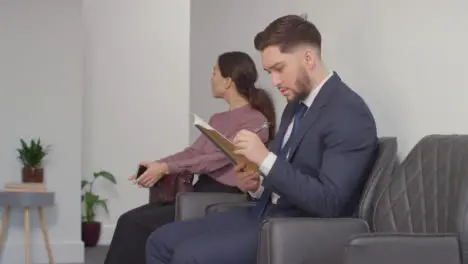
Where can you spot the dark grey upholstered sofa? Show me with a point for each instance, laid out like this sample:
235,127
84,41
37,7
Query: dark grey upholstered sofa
409,213
420,213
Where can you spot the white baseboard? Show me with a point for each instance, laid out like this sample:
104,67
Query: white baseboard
107,231
62,252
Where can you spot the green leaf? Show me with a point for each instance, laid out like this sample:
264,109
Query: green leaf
32,155
90,199
90,203
103,203
23,144
84,183
105,174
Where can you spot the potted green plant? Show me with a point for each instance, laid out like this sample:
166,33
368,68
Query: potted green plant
91,229
31,156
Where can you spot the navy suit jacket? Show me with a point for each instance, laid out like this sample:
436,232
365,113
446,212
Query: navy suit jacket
330,157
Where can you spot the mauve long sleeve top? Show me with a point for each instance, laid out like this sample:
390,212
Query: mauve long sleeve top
203,157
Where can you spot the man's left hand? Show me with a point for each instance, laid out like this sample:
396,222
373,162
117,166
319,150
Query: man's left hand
247,181
251,146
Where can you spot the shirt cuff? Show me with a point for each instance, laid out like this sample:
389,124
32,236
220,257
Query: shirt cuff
173,167
267,164
259,191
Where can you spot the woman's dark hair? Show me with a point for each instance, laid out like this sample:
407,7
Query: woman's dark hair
240,67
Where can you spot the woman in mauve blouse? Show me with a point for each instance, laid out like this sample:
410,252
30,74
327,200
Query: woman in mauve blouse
234,77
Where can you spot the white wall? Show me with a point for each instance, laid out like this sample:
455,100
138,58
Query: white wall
41,80
137,92
127,79
393,53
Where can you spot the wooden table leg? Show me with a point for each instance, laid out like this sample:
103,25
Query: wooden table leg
27,231
6,216
46,235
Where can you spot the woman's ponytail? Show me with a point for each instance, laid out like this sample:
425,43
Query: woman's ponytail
260,100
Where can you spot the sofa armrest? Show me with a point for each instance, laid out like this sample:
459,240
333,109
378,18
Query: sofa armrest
222,207
192,205
403,249
307,240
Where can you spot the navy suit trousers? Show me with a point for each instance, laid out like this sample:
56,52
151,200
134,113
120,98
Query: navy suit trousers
226,237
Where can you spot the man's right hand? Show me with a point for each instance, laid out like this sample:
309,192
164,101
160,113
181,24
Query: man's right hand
247,181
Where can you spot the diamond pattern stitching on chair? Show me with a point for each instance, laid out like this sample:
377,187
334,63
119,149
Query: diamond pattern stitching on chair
429,191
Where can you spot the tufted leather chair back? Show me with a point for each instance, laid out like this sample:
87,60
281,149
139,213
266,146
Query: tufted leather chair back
385,164
428,192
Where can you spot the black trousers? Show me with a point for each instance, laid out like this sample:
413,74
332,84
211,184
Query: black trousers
135,226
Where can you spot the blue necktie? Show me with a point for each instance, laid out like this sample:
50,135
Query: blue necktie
266,196
298,114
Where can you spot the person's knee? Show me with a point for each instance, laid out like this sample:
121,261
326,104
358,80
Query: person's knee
154,241
157,242
125,219
187,254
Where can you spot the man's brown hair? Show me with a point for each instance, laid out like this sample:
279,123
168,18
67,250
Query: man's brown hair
288,32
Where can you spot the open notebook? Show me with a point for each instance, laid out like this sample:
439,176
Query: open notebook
224,144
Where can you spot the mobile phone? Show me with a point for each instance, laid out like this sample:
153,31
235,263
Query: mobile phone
141,170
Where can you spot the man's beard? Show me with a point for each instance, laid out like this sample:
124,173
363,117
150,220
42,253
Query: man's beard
303,84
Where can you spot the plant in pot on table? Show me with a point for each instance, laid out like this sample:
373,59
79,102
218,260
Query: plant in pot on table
91,229
31,156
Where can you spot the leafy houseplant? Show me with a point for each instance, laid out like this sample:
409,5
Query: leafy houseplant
31,156
91,229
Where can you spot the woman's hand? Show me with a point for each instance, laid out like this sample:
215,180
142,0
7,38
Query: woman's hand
155,171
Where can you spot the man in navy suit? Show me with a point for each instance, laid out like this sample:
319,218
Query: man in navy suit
315,167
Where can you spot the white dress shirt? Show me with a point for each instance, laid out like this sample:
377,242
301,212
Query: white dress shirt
268,162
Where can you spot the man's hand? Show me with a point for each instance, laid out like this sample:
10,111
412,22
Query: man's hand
154,172
251,146
247,181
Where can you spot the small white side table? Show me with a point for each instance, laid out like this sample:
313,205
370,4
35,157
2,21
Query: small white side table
27,200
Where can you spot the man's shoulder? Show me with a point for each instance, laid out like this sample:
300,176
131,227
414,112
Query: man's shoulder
347,99
348,112
344,92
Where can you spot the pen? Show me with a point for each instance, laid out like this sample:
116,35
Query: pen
260,128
